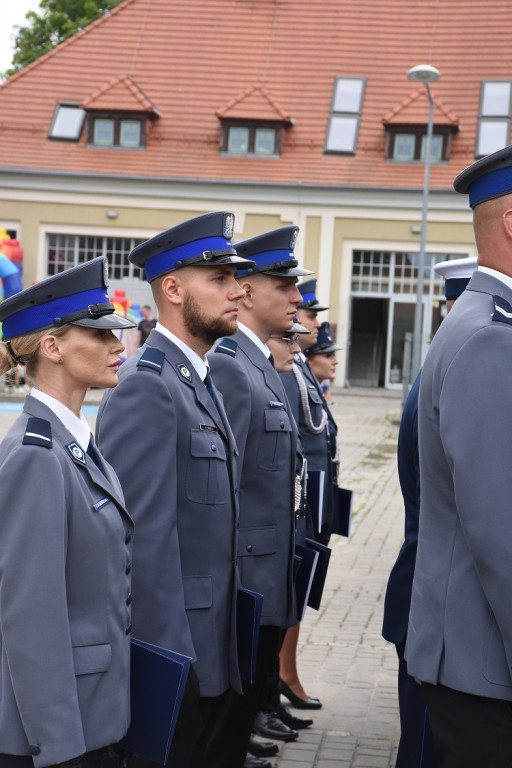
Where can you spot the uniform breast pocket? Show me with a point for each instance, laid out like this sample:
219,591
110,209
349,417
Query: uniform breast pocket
207,479
274,445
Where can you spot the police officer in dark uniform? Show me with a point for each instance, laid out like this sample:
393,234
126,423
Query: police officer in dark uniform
167,434
266,436
65,548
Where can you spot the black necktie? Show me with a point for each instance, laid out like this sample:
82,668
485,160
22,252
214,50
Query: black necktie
271,360
209,386
93,452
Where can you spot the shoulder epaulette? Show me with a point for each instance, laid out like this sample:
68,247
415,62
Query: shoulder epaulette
227,346
38,432
502,310
153,359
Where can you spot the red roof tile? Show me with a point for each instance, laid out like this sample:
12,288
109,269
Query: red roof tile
191,58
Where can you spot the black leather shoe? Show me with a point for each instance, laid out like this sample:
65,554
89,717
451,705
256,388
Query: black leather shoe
256,762
291,721
296,701
262,748
269,725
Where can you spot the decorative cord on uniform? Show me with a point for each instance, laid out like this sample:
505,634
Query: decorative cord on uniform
304,401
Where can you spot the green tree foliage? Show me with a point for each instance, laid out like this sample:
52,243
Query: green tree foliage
55,21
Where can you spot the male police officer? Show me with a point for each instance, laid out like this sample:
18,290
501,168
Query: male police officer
314,419
459,641
266,437
415,749
167,435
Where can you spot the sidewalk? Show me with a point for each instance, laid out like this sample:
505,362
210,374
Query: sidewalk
342,657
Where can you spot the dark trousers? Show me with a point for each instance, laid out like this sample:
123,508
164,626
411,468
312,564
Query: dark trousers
242,709
200,733
97,758
416,747
469,731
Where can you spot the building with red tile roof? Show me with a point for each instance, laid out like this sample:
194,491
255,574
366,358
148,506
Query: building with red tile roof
284,111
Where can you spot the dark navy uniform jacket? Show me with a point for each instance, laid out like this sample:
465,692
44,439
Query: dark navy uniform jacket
319,449
398,593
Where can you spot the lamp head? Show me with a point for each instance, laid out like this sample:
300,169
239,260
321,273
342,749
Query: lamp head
424,73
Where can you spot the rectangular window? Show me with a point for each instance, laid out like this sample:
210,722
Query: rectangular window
264,141
494,117
109,131
410,147
404,147
251,140
130,133
238,140
64,251
67,122
396,272
103,132
346,109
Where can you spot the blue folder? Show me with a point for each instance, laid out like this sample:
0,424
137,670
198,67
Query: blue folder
304,577
317,587
158,678
248,617
342,522
315,496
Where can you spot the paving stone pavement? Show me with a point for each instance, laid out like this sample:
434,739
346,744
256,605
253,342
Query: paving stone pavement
342,657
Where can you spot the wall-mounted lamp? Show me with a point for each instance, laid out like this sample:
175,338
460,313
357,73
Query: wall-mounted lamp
112,214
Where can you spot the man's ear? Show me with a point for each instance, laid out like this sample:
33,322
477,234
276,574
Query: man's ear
50,346
248,299
507,222
172,288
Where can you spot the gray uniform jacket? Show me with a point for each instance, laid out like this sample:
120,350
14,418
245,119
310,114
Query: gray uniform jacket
174,453
266,436
317,447
64,595
460,625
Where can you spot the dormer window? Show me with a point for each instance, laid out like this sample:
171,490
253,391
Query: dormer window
408,143
251,139
116,131
494,117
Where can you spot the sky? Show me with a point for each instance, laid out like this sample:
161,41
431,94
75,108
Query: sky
12,12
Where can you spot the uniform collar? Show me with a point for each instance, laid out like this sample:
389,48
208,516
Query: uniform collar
252,336
498,275
199,365
76,426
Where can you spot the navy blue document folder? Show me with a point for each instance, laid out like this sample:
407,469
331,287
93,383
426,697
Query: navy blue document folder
317,587
315,495
248,616
304,577
158,678
342,522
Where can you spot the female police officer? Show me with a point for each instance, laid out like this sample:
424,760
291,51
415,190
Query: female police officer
65,541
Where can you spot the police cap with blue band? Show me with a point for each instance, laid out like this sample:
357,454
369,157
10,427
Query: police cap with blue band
309,299
324,344
489,177
273,254
200,242
77,296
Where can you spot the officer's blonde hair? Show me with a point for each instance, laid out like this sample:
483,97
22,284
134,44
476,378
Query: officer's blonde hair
24,350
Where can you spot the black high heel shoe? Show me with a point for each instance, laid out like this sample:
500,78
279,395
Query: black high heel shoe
296,701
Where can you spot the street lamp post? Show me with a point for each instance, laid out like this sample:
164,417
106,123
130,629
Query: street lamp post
426,74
